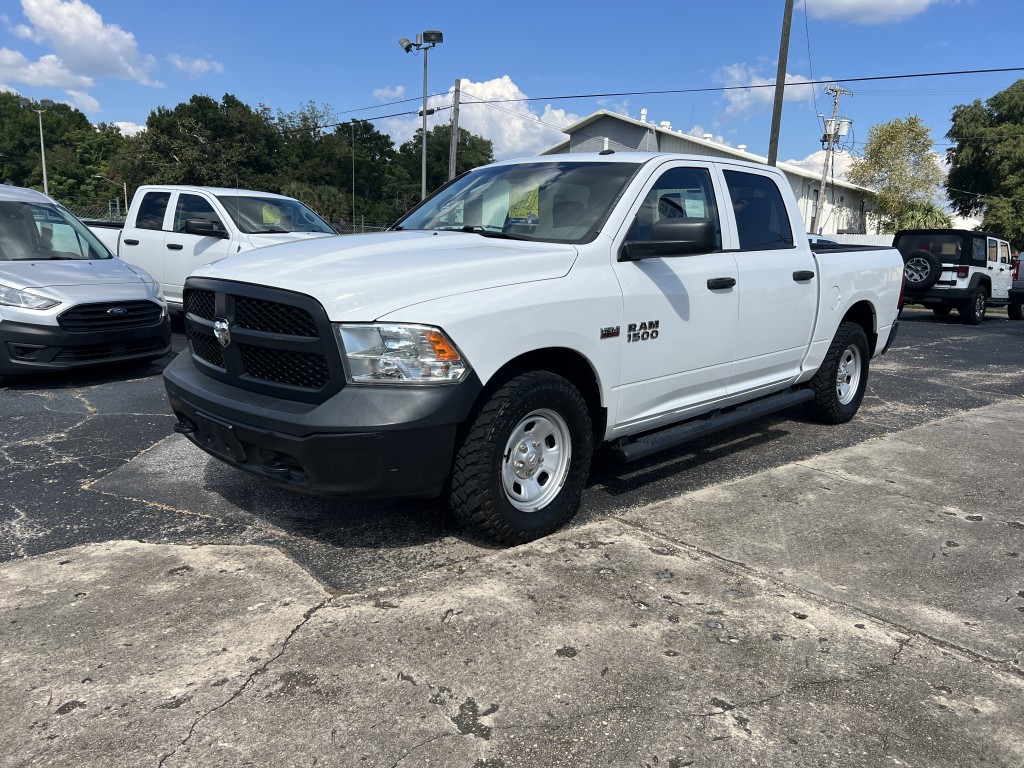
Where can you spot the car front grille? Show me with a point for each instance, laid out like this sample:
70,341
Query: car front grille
110,316
270,341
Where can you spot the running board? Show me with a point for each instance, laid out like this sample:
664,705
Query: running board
627,449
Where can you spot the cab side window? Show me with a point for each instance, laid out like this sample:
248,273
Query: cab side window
152,209
762,220
978,251
195,208
680,193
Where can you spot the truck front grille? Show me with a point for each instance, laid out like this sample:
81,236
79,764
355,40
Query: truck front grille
262,339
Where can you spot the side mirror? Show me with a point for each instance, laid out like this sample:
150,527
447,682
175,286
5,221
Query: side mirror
204,228
674,237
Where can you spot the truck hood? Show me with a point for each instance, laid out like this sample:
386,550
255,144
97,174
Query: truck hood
264,239
49,273
362,277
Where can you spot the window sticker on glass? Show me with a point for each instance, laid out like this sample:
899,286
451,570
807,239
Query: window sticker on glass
524,206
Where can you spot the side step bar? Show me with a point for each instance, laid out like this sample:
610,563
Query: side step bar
631,449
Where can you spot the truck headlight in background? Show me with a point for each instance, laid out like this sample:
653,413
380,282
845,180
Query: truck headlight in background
12,297
401,354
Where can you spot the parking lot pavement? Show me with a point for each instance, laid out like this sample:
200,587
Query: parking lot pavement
860,608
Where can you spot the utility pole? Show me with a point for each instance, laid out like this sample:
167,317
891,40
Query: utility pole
455,130
834,130
780,84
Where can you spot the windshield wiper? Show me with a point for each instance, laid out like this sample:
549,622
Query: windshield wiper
476,229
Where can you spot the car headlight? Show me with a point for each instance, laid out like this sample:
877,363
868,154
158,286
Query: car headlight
12,297
401,354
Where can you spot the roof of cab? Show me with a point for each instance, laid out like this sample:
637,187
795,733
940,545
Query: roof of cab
9,193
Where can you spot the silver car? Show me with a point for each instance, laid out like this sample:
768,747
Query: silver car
65,300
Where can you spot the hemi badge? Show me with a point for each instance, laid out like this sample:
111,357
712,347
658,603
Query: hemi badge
610,333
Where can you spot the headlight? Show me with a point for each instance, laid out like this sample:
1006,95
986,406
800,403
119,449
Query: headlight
401,354
12,297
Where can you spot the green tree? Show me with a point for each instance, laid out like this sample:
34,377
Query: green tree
899,165
986,162
472,151
203,141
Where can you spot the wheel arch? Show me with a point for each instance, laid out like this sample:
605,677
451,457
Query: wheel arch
863,313
565,362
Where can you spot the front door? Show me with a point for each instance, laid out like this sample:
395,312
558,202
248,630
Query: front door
679,313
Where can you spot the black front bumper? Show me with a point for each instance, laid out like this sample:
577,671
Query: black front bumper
27,348
363,441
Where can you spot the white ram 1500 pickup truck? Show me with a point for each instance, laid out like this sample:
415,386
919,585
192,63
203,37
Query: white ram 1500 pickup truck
525,313
170,229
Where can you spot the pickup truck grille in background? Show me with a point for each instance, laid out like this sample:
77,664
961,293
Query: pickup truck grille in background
110,316
281,343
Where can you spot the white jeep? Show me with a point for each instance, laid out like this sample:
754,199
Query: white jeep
946,269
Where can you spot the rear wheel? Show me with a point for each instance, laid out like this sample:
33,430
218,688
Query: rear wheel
522,463
1015,310
972,311
942,310
840,381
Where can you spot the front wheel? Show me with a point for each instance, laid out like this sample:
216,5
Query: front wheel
522,462
839,384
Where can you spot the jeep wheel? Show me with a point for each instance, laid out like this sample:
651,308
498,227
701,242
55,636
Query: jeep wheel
921,269
840,381
1015,310
942,310
523,460
972,311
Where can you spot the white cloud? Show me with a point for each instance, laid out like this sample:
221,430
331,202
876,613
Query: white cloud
128,128
83,44
389,94
751,90
514,127
48,72
195,67
869,11
83,101
841,162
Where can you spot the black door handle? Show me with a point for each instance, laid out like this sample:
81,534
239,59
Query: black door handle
130,242
716,283
175,246
803,274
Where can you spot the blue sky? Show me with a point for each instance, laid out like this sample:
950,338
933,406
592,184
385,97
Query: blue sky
117,60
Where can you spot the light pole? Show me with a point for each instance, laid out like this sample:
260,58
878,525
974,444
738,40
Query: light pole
44,104
424,42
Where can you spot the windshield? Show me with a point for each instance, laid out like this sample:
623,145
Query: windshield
261,215
560,201
45,231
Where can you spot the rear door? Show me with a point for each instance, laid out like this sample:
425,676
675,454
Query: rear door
142,240
777,284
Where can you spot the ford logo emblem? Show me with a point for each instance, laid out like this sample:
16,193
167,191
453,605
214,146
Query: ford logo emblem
222,331
117,311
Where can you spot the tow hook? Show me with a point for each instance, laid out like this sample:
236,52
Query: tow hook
184,426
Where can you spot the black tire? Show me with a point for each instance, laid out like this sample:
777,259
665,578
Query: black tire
921,269
839,384
972,311
942,310
533,416
1015,311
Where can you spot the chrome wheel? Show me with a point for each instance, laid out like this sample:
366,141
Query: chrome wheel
848,374
916,270
536,460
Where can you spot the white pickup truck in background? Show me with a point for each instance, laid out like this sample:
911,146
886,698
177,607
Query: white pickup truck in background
170,229
524,314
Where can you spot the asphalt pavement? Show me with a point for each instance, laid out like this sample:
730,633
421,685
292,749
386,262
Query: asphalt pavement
862,606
